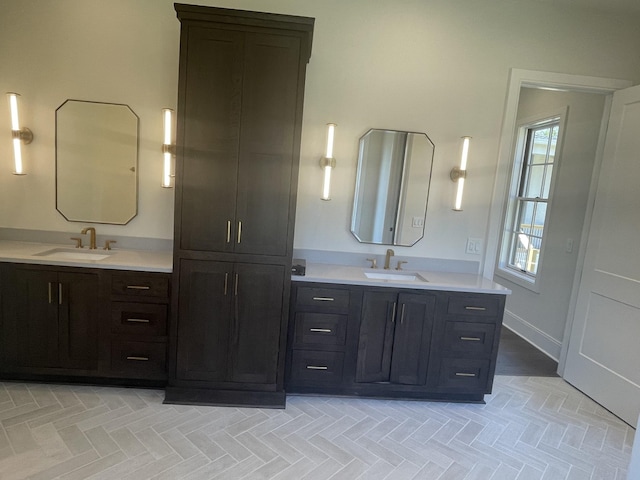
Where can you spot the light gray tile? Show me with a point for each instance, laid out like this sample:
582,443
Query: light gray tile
206,445
223,468
323,471
151,469
180,444
66,466
269,469
179,470
21,438
128,442
101,441
75,440
231,446
95,467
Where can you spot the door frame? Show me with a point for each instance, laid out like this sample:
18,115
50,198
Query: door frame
519,78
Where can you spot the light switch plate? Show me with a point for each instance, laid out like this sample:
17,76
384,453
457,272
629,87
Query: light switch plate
474,246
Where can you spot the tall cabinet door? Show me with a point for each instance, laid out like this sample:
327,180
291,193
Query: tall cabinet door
412,340
209,134
203,331
35,296
258,301
377,326
266,157
78,310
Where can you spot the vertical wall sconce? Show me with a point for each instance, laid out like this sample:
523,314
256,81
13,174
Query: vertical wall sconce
458,174
18,135
327,163
168,148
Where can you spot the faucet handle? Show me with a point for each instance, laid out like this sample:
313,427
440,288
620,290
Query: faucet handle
107,244
399,267
374,262
78,241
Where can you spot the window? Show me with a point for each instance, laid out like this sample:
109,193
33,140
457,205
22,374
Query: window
524,226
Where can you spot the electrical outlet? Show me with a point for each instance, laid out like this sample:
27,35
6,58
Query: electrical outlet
474,246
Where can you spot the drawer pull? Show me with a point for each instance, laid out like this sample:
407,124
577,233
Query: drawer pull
470,339
479,309
320,330
462,374
324,299
138,320
138,287
317,367
138,359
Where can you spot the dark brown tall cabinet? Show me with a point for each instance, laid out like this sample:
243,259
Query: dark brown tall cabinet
240,98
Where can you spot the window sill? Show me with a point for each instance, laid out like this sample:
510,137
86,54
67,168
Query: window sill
522,280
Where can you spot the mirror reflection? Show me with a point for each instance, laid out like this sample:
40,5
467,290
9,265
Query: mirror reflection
96,162
392,187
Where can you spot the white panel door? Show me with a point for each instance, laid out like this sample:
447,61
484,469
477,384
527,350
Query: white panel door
603,358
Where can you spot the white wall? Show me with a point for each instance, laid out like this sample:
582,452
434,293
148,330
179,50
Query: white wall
541,316
436,66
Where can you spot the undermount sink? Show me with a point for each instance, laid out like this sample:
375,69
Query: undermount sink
399,277
73,254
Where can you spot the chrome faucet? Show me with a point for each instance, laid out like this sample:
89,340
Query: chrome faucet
92,237
387,259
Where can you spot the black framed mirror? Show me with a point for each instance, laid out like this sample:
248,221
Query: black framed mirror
96,162
392,187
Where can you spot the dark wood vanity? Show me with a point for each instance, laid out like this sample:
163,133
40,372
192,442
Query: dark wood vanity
392,343
83,324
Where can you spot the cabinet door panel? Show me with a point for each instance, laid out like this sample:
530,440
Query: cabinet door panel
270,90
412,340
210,130
376,337
204,310
78,309
35,294
256,323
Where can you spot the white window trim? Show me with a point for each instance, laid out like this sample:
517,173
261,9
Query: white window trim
502,269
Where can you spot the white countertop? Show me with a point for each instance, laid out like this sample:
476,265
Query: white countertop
138,260
454,282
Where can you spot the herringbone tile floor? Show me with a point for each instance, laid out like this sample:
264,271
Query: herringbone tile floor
530,428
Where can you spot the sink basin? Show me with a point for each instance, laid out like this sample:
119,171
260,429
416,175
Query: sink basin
398,277
73,254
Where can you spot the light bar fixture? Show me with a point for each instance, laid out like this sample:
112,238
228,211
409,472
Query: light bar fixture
459,174
327,163
168,148
18,135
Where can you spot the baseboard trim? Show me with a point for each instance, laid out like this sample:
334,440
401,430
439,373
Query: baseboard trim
532,334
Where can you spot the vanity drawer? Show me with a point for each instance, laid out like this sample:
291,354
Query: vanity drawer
324,297
464,374
320,328
469,338
147,360
140,285
317,367
149,319
477,306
